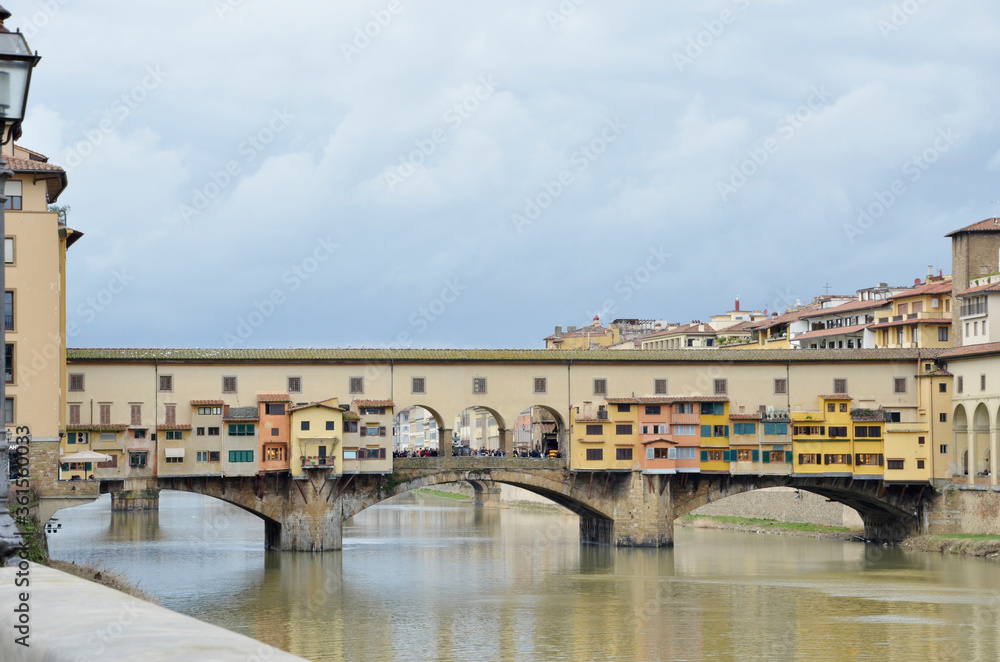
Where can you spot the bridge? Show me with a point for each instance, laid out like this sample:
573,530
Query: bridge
621,508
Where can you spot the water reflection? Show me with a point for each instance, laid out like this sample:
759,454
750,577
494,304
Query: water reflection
425,578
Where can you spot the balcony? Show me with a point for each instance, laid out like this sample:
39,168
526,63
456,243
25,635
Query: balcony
974,309
317,462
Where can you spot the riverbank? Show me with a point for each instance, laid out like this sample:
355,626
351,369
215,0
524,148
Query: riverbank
983,546
770,526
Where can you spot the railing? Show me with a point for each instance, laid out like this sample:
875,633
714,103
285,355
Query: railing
317,462
979,308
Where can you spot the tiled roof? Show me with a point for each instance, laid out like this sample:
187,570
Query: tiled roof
351,416
622,401
273,397
745,326
550,356
114,427
989,225
929,320
836,396
785,318
173,427
745,417
374,403
591,419
26,165
988,287
848,307
971,350
686,329
311,405
242,414
836,331
940,287
207,403
580,333
666,399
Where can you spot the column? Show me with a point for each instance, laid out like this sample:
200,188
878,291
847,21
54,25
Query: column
971,453
506,441
994,447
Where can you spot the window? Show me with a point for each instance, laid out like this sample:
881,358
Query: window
350,455
942,388
137,459
136,418
76,382
213,432
840,386
540,385
356,385
350,426
373,411
652,410
294,384
808,458
686,430
942,334
77,438
110,464
720,430
807,430
105,410
229,384
8,250
166,383
210,411
595,430
74,414
600,387
417,385
836,459
660,386
895,465
943,418
982,382
780,386
170,414
275,432
657,453
867,431
242,429
920,464
744,455
624,409
713,408
776,428
8,411
174,460
943,449
838,431
372,431
8,310
623,429
623,453
305,425
202,456
831,406
213,456
843,406
274,409
13,192
274,454
720,386
241,456
479,385
960,386
595,454
744,428
684,408
899,385
868,460
330,425
175,435
199,432
712,456
140,434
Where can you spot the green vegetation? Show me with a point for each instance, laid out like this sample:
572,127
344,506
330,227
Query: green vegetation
751,523
445,495
103,576
967,544
34,540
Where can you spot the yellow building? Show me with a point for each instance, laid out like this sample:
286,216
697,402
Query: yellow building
317,432
716,456
920,317
595,336
35,303
590,427
821,438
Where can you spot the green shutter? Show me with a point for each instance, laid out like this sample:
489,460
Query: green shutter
751,428
727,431
706,430
755,455
788,457
649,453
87,466
782,428
704,456
766,459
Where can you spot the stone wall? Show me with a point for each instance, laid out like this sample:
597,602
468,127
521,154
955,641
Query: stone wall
784,504
963,510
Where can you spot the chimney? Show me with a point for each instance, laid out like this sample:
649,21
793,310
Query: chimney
570,329
558,331
930,271
225,411
737,304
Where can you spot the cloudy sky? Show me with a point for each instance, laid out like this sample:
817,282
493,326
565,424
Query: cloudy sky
470,174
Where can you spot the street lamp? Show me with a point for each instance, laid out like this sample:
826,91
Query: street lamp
16,63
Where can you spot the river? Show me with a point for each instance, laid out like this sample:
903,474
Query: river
425,578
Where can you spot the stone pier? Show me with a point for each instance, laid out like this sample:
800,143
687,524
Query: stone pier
136,494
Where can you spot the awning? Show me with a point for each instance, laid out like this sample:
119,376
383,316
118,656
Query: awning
173,452
85,456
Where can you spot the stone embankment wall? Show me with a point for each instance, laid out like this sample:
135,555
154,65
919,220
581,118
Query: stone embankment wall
963,510
784,504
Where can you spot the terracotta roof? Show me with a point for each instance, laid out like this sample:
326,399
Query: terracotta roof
836,396
989,225
988,287
745,326
114,427
205,403
745,417
666,399
622,401
173,427
351,416
784,318
971,350
547,356
374,403
311,405
836,331
30,165
929,320
941,287
848,307
687,328
591,419
273,397
242,414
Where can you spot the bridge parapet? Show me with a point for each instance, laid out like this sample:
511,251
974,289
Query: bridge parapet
474,463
